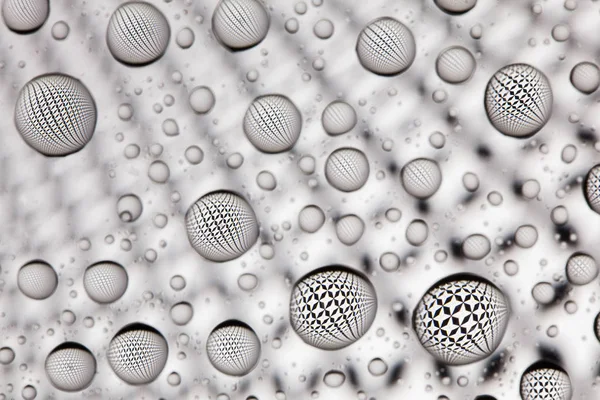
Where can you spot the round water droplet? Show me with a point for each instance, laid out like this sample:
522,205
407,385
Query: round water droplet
585,77
272,123
240,24
311,218
530,189
70,367
334,378
349,229
125,112
323,29
129,207
266,180
476,247
182,313
37,280
389,262
137,354
518,100
177,282
202,99
159,172
338,117
194,155
559,215
292,25
233,348
344,313
138,33
7,355
174,379
417,232
543,293
581,269
377,367
455,64
393,214
29,392
526,236
247,282
235,160
55,114
437,140
470,181
544,380
511,268
307,164
60,30
386,47
347,169
568,154
451,329
421,177
221,226
25,16
561,32
105,281
170,127
185,38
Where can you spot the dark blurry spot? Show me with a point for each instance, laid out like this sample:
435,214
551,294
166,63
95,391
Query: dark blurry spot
352,376
442,370
393,168
483,151
485,397
313,380
423,206
456,248
493,366
517,188
402,316
564,233
586,135
367,264
550,354
395,373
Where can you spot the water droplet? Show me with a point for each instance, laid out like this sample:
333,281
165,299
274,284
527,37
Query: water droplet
60,30
345,312
233,348
185,38
129,207
386,47
182,313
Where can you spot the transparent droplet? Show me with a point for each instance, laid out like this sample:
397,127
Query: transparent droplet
338,117
221,226
334,378
347,169
181,313
349,229
138,33
386,47
455,64
345,312
453,331
137,354
311,218
202,99
233,348
129,207
37,280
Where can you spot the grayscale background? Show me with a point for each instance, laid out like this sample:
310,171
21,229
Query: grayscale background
63,210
